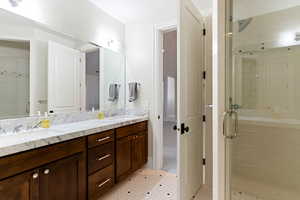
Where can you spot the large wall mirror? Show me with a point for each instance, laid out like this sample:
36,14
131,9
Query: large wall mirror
42,70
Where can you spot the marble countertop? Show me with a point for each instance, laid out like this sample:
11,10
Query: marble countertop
23,141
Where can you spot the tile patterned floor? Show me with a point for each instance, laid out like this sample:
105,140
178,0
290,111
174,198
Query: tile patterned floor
145,184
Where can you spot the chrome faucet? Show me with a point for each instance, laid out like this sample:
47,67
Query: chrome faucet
18,128
37,125
2,130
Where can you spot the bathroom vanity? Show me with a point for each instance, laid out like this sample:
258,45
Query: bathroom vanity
83,163
68,82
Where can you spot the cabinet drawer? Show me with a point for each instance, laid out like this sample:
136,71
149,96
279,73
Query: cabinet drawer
100,157
132,129
100,182
100,138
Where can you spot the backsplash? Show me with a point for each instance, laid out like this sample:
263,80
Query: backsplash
11,126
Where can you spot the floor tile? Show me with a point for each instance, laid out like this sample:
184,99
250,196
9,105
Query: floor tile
145,184
149,184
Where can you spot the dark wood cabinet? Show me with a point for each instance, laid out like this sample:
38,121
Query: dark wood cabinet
139,151
20,187
100,157
60,180
63,179
124,157
100,182
57,172
79,169
131,149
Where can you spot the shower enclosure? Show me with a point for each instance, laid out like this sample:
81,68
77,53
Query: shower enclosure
14,78
262,90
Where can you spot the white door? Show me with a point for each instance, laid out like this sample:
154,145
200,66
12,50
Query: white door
63,78
190,69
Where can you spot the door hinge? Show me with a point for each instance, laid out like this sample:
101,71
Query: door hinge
204,75
204,32
204,161
204,118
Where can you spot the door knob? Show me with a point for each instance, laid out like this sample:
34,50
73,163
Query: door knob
187,129
184,129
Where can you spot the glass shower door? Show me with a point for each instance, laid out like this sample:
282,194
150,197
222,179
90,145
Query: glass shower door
262,122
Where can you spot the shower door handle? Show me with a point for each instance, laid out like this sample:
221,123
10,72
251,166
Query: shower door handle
228,117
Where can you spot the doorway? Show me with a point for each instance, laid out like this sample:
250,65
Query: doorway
14,78
92,79
170,101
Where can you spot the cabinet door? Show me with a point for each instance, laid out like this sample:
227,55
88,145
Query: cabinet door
124,157
138,151
20,187
64,179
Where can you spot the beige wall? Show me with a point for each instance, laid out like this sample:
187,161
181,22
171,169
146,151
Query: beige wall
267,83
265,159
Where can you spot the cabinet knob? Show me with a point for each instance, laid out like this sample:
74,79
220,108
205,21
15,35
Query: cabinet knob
46,171
35,175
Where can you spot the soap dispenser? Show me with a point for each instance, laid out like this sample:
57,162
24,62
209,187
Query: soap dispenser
45,121
101,115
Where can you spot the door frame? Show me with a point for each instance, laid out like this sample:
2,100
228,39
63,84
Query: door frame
219,161
158,99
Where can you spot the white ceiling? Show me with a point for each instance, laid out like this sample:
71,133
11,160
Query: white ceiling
146,11
249,8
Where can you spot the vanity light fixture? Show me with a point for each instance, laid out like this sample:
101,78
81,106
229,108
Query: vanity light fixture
15,3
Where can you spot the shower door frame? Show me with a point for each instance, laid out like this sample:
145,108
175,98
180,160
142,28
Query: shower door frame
219,162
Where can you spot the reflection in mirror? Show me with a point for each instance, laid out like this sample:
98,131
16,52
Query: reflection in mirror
42,70
105,79
112,80
14,78
92,79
